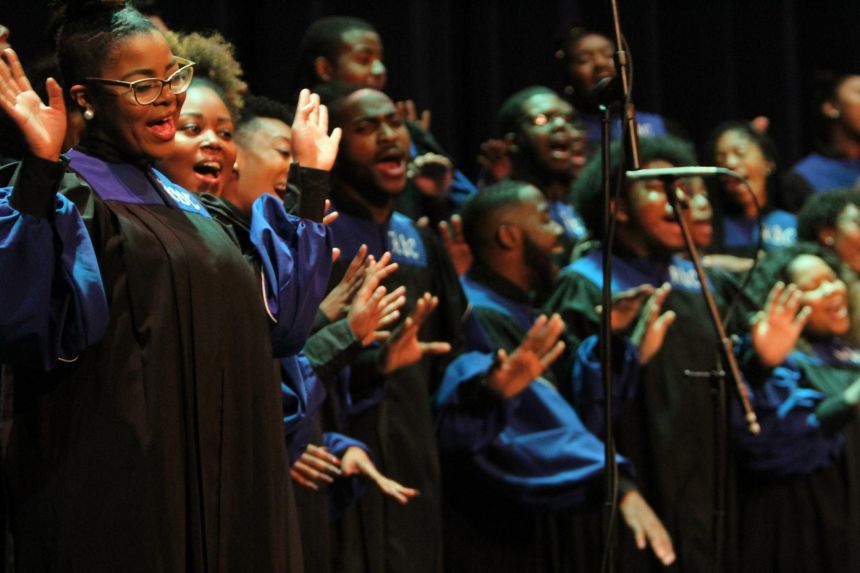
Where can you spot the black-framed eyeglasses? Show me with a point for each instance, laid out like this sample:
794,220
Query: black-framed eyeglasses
147,90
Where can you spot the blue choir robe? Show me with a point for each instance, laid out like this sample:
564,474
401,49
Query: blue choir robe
141,394
825,173
516,469
378,533
667,431
741,235
799,504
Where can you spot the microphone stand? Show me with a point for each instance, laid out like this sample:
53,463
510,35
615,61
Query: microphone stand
629,122
610,463
717,377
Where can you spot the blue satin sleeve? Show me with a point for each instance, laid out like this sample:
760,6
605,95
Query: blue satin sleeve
345,490
52,301
295,257
792,442
461,187
468,414
302,395
545,458
534,449
337,444
587,381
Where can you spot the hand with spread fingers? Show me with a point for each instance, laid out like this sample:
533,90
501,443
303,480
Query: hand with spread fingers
330,216
312,144
43,126
373,307
495,160
626,306
650,331
432,174
408,111
776,328
356,462
316,466
541,347
336,303
455,243
403,347
646,527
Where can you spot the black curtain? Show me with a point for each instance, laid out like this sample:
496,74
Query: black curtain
698,62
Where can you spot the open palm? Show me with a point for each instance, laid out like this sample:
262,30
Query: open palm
43,126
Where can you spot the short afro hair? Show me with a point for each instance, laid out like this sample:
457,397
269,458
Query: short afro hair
217,66
821,211
477,210
260,107
324,38
587,191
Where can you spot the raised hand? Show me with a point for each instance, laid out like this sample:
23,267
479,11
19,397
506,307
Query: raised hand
330,216
651,329
646,527
356,462
537,352
43,126
407,110
776,328
371,308
312,144
336,302
455,243
494,158
316,466
403,347
432,174
626,305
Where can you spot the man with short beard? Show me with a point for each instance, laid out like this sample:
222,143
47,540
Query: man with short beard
546,145
513,478
668,430
390,384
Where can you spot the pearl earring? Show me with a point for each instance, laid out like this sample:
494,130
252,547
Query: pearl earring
89,114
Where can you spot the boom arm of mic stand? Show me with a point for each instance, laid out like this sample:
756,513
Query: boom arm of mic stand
725,342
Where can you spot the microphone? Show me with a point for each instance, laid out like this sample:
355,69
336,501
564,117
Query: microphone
606,91
678,172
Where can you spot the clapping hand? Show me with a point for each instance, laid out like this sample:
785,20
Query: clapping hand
316,466
541,347
776,328
651,329
455,243
403,347
371,308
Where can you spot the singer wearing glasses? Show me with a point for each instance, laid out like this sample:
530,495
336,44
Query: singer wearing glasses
141,392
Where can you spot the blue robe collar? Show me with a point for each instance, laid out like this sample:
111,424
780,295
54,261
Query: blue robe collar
628,273
398,235
481,295
126,183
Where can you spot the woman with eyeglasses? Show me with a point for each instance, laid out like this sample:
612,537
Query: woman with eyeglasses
142,405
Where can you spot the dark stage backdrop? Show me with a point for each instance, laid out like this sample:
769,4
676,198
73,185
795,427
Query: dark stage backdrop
699,62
